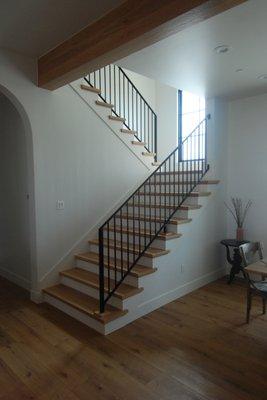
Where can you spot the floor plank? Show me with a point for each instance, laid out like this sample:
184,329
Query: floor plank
195,348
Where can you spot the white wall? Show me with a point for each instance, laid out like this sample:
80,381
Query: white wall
164,102
14,216
167,111
247,166
76,159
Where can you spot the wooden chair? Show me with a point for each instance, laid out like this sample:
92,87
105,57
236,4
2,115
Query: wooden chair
252,253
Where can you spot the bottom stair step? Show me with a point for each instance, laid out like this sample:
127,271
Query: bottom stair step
83,303
90,279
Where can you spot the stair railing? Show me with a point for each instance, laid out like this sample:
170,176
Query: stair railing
128,103
174,180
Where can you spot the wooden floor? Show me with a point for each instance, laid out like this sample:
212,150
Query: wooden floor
197,347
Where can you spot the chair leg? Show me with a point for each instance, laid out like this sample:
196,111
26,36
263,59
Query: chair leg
249,301
263,305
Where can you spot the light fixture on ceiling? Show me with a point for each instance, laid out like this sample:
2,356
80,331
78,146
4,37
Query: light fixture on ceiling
222,49
239,70
262,77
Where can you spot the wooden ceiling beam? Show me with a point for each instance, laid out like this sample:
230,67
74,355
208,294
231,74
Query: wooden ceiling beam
124,30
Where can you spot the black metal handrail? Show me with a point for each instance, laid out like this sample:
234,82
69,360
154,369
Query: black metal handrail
127,102
160,197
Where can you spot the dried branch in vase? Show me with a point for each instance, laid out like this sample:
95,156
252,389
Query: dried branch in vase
239,210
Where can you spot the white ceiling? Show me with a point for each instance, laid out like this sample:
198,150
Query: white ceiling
33,27
187,60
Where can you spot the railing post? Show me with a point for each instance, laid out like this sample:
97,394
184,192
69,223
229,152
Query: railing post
101,272
206,140
156,138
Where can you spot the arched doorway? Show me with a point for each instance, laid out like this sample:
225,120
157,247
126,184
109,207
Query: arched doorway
17,216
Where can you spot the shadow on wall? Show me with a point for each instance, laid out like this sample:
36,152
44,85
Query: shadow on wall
17,217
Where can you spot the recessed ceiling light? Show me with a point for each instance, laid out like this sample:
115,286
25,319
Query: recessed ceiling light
262,77
239,70
222,49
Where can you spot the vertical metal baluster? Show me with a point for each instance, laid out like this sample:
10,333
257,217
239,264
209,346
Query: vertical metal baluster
132,110
136,112
128,256
121,237
134,227
119,94
110,98
105,83
145,133
128,114
141,122
108,261
115,249
114,88
124,105
149,209
150,148
139,222
165,197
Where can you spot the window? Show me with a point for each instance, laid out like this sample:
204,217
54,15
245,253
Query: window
191,110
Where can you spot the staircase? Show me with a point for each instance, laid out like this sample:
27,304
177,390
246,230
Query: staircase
126,270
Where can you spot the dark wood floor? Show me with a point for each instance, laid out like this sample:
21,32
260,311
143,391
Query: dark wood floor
197,347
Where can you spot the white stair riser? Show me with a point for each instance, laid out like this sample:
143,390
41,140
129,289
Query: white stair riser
158,212
170,187
130,280
185,177
144,225
164,200
74,313
160,244
90,291
146,261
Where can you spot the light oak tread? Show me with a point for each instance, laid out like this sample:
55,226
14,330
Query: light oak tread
162,236
192,194
137,271
206,182
104,104
91,89
84,303
90,279
147,154
115,118
186,172
137,143
128,131
173,220
168,207
152,252
156,164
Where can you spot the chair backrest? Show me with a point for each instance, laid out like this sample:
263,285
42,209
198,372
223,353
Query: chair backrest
251,252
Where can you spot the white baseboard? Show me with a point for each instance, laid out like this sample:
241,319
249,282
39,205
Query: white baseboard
37,297
165,298
15,278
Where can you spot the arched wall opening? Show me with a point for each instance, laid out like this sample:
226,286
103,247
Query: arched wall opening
17,206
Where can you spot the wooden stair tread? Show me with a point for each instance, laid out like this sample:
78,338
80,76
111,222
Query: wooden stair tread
137,143
161,236
90,279
179,172
104,104
156,164
147,154
192,194
173,220
168,207
206,182
151,252
137,270
91,89
115,118
129,131
84,303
